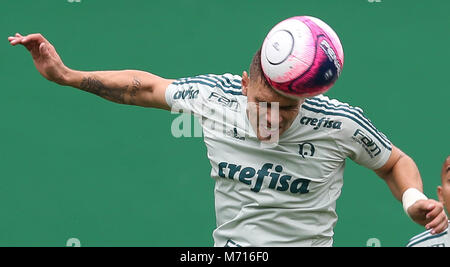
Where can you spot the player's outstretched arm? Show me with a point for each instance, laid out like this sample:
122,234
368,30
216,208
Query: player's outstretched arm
131,87
401,173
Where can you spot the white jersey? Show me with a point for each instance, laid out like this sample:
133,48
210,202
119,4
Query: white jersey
426,239
283,194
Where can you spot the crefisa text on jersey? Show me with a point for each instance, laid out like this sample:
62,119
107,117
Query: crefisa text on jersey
322,122
277,180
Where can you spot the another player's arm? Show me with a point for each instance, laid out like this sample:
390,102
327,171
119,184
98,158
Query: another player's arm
400,173
131,87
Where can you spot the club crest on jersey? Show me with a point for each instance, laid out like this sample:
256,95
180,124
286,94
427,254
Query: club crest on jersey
306,149
323,122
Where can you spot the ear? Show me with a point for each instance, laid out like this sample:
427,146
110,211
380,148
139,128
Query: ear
439,193
245,82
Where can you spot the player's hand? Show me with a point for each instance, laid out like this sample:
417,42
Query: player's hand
430,214
45,57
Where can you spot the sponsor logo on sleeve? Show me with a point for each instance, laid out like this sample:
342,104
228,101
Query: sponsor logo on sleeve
224,101
367,143
186,94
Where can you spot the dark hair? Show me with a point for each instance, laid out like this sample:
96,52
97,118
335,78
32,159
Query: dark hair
256,71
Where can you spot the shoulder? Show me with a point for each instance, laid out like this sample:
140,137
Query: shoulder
351,119
226,83
322,112
202,89
426,239
323,105
205,94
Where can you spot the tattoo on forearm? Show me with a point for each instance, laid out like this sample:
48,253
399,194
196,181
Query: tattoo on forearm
135,87
119,95
95,86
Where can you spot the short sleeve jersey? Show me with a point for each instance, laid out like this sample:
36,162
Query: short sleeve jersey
281,194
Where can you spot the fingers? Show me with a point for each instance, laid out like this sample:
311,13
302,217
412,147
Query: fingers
437,220
35,37
438,224
433,210
27,40
441,227
14,40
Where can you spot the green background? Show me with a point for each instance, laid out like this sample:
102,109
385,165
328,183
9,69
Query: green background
75,165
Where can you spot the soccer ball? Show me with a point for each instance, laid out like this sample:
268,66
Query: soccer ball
302,57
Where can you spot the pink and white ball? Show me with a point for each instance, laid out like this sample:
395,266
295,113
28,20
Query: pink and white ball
302,57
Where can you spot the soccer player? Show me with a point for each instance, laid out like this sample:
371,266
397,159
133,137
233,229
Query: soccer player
268,191
427,239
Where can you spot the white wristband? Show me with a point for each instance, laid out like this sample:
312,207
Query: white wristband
410,196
